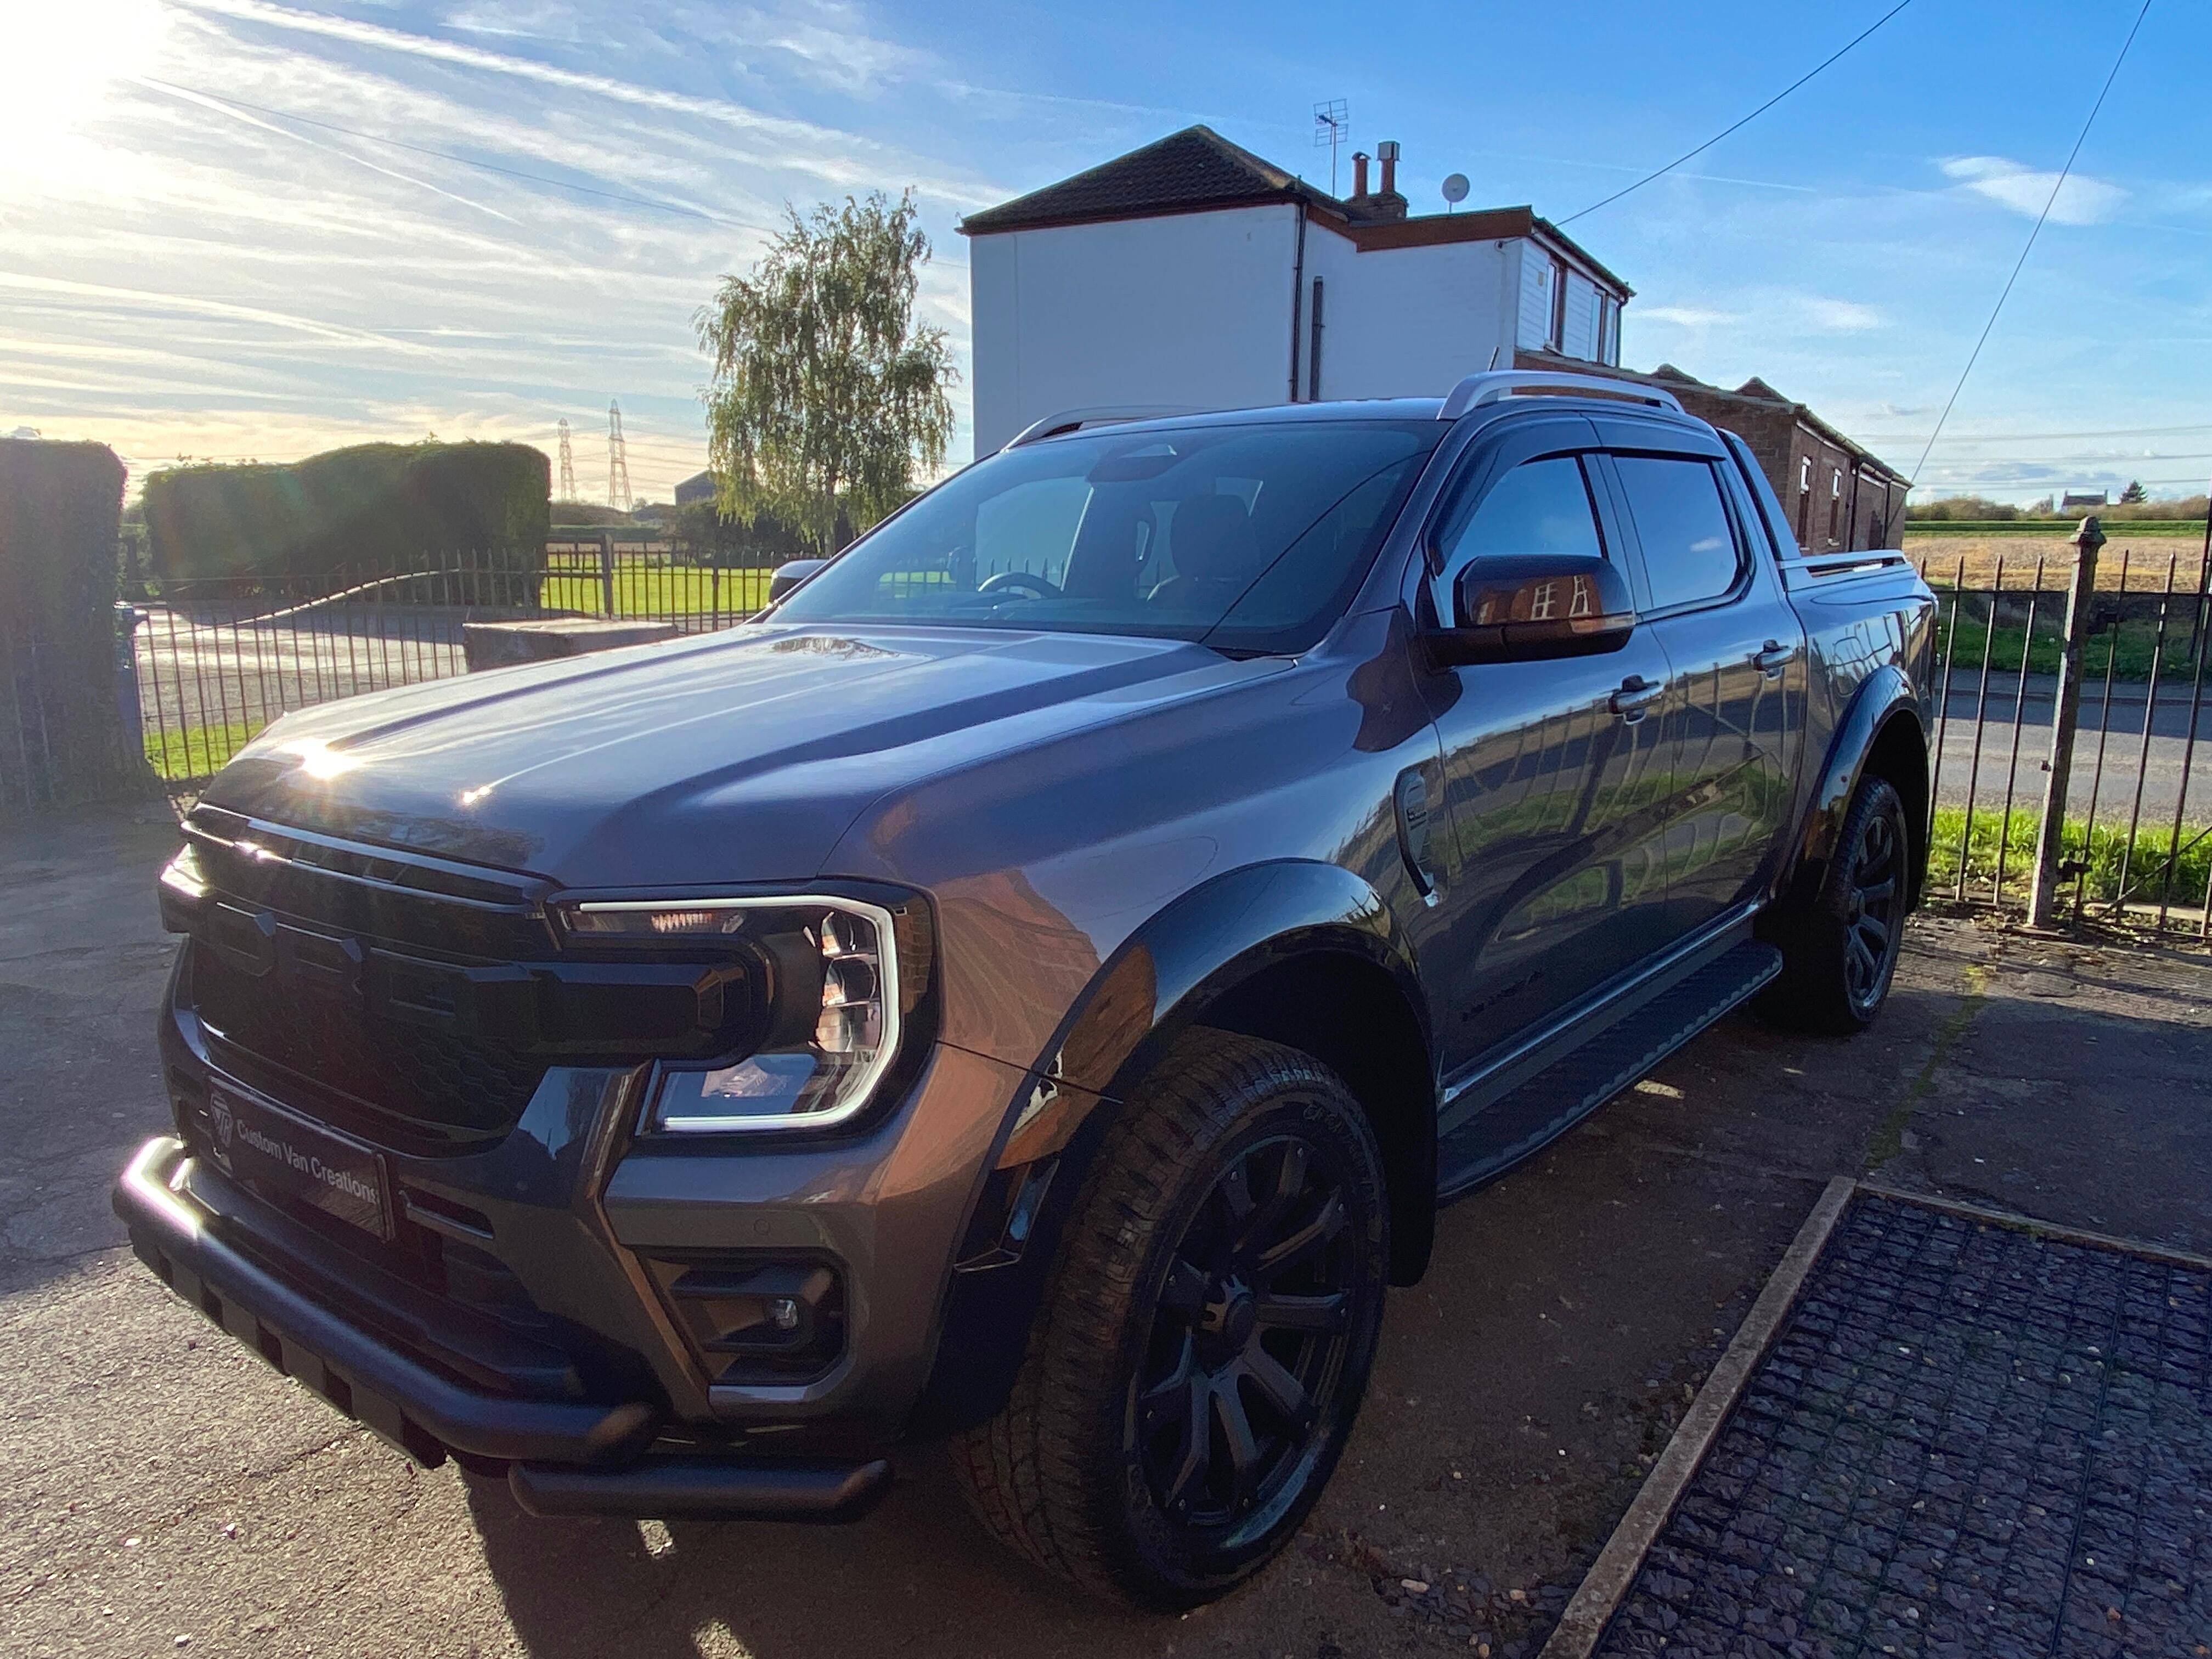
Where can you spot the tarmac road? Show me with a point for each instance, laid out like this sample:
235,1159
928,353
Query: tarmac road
162,1491
193,672
2117,729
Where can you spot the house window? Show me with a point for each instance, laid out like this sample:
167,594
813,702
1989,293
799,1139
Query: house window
1559,306
1804,498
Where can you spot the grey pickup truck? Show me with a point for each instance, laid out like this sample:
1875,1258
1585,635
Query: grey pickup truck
1029,989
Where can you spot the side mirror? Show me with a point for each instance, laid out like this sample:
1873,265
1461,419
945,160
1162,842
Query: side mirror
785,577
1531,607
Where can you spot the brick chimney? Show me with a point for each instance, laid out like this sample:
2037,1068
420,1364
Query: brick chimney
1383,203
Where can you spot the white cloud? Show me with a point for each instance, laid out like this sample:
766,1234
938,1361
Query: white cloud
1838,316
830,45
2081,200
1684,316
842,160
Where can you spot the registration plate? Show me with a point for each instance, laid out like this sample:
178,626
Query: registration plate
259,1141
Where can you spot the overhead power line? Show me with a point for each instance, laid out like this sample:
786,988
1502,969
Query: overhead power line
2195,482
2115,463
2036,230
1692,154
2041,437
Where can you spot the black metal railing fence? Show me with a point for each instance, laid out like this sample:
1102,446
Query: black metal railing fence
2137,836
211,661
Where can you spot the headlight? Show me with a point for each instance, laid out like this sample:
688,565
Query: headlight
836,991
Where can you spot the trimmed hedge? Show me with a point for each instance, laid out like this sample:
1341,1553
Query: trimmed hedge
61,734
380,507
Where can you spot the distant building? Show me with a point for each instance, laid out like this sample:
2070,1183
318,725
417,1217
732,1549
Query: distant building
2083,500
1191,271
699,487
1838,495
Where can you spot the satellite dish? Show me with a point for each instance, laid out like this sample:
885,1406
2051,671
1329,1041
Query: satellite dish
1456,189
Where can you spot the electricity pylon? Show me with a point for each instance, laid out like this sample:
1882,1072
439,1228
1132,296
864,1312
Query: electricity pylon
617,461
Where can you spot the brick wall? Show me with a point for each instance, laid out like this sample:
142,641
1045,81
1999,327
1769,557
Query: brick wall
1799,461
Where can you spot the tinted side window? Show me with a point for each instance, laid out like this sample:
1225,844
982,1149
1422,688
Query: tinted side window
1539,507
1689,547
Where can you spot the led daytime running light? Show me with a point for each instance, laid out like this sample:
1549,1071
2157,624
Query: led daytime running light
821,1081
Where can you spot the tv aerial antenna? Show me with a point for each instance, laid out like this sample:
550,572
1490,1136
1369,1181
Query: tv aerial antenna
568,464
1332,131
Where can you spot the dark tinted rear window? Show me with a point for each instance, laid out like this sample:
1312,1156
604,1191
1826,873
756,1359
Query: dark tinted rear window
1690,549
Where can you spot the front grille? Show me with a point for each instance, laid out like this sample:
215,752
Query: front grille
276,979
450,1091
421,1003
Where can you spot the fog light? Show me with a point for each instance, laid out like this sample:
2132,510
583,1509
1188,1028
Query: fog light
754,1318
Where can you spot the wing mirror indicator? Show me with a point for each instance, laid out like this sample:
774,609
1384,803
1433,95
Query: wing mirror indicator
1535,606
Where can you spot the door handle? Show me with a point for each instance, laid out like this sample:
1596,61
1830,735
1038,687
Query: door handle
1635,697
1773,658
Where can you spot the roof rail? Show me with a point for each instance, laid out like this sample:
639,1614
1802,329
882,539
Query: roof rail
1477,390
1076,419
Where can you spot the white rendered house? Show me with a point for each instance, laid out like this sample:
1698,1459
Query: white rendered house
1191,272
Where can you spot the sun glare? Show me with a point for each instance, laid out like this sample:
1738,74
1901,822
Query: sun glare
67,61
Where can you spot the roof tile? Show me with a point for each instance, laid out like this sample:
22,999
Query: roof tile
1195,168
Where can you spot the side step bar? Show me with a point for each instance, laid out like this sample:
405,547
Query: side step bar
1585,1078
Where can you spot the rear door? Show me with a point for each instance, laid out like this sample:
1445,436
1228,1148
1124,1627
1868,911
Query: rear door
1558,885
1734,713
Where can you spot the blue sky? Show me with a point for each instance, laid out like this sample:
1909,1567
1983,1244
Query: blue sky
189,267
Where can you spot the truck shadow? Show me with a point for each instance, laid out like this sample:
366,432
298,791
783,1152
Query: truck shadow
918,1573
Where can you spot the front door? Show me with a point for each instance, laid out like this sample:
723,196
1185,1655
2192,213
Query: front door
1736,653
1548,768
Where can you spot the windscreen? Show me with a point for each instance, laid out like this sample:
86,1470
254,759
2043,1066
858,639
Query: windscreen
1250,538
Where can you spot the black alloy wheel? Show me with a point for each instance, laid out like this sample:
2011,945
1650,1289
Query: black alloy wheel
1206,1332
1873,914
1246,1348
1840,937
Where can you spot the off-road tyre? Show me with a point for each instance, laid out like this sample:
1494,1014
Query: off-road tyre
1069,1474
1839,942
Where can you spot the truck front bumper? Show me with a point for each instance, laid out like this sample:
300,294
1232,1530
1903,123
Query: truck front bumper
562,1456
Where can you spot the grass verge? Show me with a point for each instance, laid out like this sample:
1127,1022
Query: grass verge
2104,850
198,752
649,590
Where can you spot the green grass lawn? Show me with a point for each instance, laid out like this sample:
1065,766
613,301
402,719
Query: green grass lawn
2106,851
2136,641
198,752
654,590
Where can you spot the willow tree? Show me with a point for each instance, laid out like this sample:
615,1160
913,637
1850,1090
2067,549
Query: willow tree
828,402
